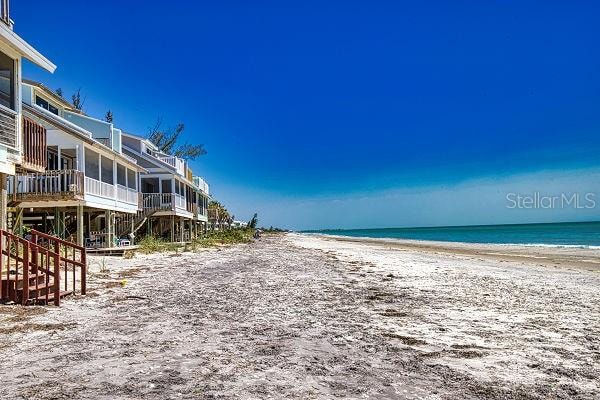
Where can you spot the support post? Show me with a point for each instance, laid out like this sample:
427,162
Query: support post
3,202
172,228
18,221
181,228
109,228
80,225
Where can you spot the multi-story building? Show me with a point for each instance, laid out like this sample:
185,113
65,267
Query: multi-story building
12,50
175,201
75,180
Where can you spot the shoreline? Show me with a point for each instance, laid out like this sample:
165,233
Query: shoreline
305,317
583,258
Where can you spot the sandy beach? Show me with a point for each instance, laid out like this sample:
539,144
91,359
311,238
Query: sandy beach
307,317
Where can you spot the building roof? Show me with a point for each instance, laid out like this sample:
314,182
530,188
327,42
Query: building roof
78,132
141,139
51,93
15,42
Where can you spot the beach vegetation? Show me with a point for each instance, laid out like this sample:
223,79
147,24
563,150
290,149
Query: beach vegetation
253,222
218,214
152,244
224,237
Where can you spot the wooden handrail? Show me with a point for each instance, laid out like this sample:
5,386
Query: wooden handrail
34,258
54,243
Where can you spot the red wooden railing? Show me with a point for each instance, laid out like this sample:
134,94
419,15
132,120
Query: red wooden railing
21,261
72,257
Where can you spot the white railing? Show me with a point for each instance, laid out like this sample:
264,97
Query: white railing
126,195
179,201
132,196
121,193
133,160
48,183
174,162
201,184
97,188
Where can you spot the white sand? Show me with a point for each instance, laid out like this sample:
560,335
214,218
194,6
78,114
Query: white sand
304,317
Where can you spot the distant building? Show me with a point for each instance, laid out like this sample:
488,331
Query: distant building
239,224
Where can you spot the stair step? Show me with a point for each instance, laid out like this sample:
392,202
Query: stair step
40,286
20,278
51,296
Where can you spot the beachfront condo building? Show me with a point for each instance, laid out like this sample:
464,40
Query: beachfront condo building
75,182
13,49
178,200
87,181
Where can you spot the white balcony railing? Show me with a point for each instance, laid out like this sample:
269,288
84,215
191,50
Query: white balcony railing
179,201
201,184
97,188
174,162
127,195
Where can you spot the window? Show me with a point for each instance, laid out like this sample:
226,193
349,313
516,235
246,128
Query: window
91,164
149,185
131,179
166,186
107,170
44,104
121,175
7,81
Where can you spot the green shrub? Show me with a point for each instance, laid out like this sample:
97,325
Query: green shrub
225,237
151,244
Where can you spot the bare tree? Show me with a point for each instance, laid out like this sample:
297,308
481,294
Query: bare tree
59,92
78,102
167,141
109,117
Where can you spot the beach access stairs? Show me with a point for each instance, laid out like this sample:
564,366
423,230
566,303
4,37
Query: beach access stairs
151,204
41,269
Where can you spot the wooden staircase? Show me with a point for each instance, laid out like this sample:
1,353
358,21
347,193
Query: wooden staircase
151,204
131,223
41,270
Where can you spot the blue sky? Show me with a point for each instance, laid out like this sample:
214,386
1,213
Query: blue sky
305,107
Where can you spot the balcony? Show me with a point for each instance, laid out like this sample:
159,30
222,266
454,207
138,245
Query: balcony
47,186
8,128
174,162
201,184
66,185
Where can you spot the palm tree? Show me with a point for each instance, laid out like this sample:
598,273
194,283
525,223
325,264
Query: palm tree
218,214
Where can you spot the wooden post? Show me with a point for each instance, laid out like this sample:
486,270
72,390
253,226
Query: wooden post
3,202
172,228
57,278
18,221
109,228
181,228
25,292
80,225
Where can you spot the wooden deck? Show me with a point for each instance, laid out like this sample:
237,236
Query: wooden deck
111,251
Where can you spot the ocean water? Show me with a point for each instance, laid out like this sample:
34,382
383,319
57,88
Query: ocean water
578,234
